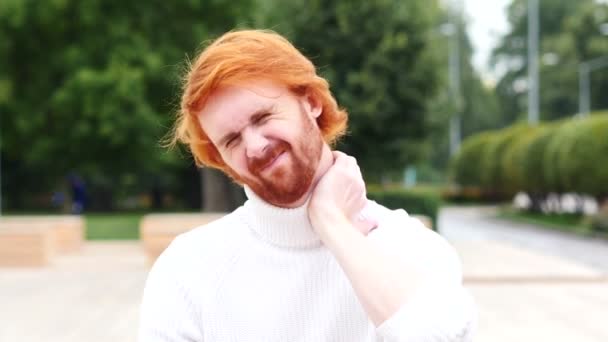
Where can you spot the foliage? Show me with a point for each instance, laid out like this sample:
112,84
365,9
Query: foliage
534,180
569,34
512,162
494,178
584,159
381,64
555,158
466,163
414,202
566,156
477,106
89,87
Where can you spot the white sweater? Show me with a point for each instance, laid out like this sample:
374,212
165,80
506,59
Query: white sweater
262,274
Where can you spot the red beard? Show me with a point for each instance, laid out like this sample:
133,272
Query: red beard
287,182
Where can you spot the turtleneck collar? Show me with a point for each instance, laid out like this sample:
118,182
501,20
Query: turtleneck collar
283,227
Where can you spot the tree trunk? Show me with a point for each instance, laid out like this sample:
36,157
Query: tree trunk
536,202
219,193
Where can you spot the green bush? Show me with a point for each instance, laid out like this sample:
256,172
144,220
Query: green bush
584,158
569,155
493,179
464,167
415,202
512,171
556,155
534,181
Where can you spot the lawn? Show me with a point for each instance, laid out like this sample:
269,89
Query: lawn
120,226
565,222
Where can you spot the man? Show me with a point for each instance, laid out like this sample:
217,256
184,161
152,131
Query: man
307,257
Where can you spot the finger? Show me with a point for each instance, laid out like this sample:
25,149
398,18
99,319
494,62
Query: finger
338,154
365,226
370,224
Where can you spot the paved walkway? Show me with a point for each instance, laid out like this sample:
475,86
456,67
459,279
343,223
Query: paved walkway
529,284
92,296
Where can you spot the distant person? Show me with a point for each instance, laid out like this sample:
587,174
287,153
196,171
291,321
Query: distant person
79,195
308,257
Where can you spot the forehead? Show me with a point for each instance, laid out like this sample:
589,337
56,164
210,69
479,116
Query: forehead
231,107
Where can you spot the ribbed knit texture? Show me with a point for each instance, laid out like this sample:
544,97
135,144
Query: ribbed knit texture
262,274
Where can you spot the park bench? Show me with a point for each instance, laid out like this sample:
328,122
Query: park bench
25,244
67,230
34,240
158,230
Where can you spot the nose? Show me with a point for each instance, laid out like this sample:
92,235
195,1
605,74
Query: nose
255,143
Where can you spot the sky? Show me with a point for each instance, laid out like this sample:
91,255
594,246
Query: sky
487,22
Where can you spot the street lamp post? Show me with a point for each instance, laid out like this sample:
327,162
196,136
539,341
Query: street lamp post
454,47
584,83
533,61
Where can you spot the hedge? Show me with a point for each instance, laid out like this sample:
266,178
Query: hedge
493,178
414,202
564,156
584,158
465,165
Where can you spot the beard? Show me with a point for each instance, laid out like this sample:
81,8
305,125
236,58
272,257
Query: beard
286,183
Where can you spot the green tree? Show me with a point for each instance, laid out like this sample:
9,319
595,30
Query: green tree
379,59
569,34
90,86
478,104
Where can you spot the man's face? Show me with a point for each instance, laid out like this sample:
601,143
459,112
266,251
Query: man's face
267,136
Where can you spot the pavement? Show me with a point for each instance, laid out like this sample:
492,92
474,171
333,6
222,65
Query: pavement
529,284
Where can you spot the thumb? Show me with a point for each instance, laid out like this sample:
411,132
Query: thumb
365,225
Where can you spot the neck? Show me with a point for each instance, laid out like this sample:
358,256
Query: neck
326,161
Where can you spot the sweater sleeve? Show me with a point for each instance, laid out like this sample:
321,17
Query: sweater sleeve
441,310
167,313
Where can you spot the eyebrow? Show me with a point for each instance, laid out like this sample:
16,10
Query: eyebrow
254,117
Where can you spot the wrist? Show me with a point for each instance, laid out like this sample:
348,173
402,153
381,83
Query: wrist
332,226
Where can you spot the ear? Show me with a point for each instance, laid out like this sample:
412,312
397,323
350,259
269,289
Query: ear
311,105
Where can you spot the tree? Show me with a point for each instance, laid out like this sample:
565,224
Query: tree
382,67
478,104
90,87
569,34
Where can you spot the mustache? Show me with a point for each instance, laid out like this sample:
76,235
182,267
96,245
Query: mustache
273,150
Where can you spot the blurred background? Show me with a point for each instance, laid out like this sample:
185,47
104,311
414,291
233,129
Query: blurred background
488,119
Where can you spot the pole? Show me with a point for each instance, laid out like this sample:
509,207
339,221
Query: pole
584,83
455,120
533,62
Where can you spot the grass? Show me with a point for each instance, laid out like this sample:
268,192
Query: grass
574,223
119,226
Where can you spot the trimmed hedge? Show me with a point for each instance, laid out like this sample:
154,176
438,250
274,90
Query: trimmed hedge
565,156
532,164
494,177
413,201
584,158
465,165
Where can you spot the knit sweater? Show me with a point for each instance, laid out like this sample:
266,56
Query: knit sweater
262,274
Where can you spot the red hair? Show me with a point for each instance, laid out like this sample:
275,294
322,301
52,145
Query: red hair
236,58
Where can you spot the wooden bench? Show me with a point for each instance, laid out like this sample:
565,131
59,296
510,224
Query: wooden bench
158,230
67,230
26,244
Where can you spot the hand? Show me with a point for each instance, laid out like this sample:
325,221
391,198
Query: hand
340,194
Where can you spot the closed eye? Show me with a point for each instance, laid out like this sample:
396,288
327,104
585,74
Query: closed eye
232,140
259,119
